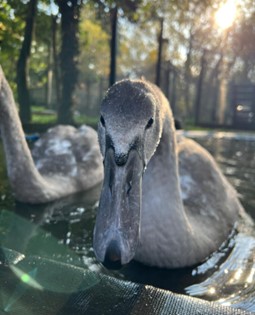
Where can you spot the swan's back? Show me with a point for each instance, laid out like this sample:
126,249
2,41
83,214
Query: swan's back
69,152
209,199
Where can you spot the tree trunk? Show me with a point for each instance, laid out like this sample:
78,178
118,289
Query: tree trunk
70,13
159,61
113,44
55,60
215,99
49,77
215,81
101,89
22,64
188,76
88,96
174,91
199,89
167,81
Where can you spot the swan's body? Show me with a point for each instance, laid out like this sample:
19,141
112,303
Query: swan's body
67,160
180,210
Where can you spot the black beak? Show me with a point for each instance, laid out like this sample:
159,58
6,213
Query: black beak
116,233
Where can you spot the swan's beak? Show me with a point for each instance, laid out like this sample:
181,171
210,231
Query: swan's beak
116,232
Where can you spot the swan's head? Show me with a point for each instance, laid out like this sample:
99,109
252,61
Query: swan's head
129,131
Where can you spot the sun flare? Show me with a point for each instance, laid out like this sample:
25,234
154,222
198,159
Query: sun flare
226,14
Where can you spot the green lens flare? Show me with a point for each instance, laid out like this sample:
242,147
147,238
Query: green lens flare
25,278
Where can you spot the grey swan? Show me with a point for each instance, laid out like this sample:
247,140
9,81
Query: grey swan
66,160
164,201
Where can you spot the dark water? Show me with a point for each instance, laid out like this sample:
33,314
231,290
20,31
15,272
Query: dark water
62,231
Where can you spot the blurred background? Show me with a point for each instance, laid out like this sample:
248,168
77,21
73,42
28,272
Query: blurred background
61,56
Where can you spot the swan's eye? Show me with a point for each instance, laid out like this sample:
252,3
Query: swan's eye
102,121
150,122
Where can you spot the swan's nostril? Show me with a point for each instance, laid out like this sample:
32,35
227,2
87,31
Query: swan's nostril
129,187
113,256
121,159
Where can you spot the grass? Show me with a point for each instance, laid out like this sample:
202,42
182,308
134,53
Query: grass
42,116
82,119
198,128
45,119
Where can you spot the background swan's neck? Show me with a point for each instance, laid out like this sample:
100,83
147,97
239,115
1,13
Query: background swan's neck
24,178
162,207
18,155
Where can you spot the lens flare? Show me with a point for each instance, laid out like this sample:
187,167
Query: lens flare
226,14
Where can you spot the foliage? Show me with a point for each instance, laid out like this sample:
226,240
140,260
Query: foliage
243,38
94,55
11,31
128,8
40,50
137,51
23,62
12,17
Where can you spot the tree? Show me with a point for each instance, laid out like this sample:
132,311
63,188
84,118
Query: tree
114,7
160,47
11,30
93,60
55,57
113,44
42,62
70,14
243,43
22,65
200,87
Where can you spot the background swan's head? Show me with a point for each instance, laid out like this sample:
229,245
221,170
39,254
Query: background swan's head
129,131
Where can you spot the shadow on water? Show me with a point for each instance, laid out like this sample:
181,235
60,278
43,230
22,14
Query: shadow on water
62,231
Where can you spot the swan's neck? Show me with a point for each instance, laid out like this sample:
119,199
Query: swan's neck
23,175
162,207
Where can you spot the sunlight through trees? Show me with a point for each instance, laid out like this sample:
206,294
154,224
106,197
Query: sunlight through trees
205,47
